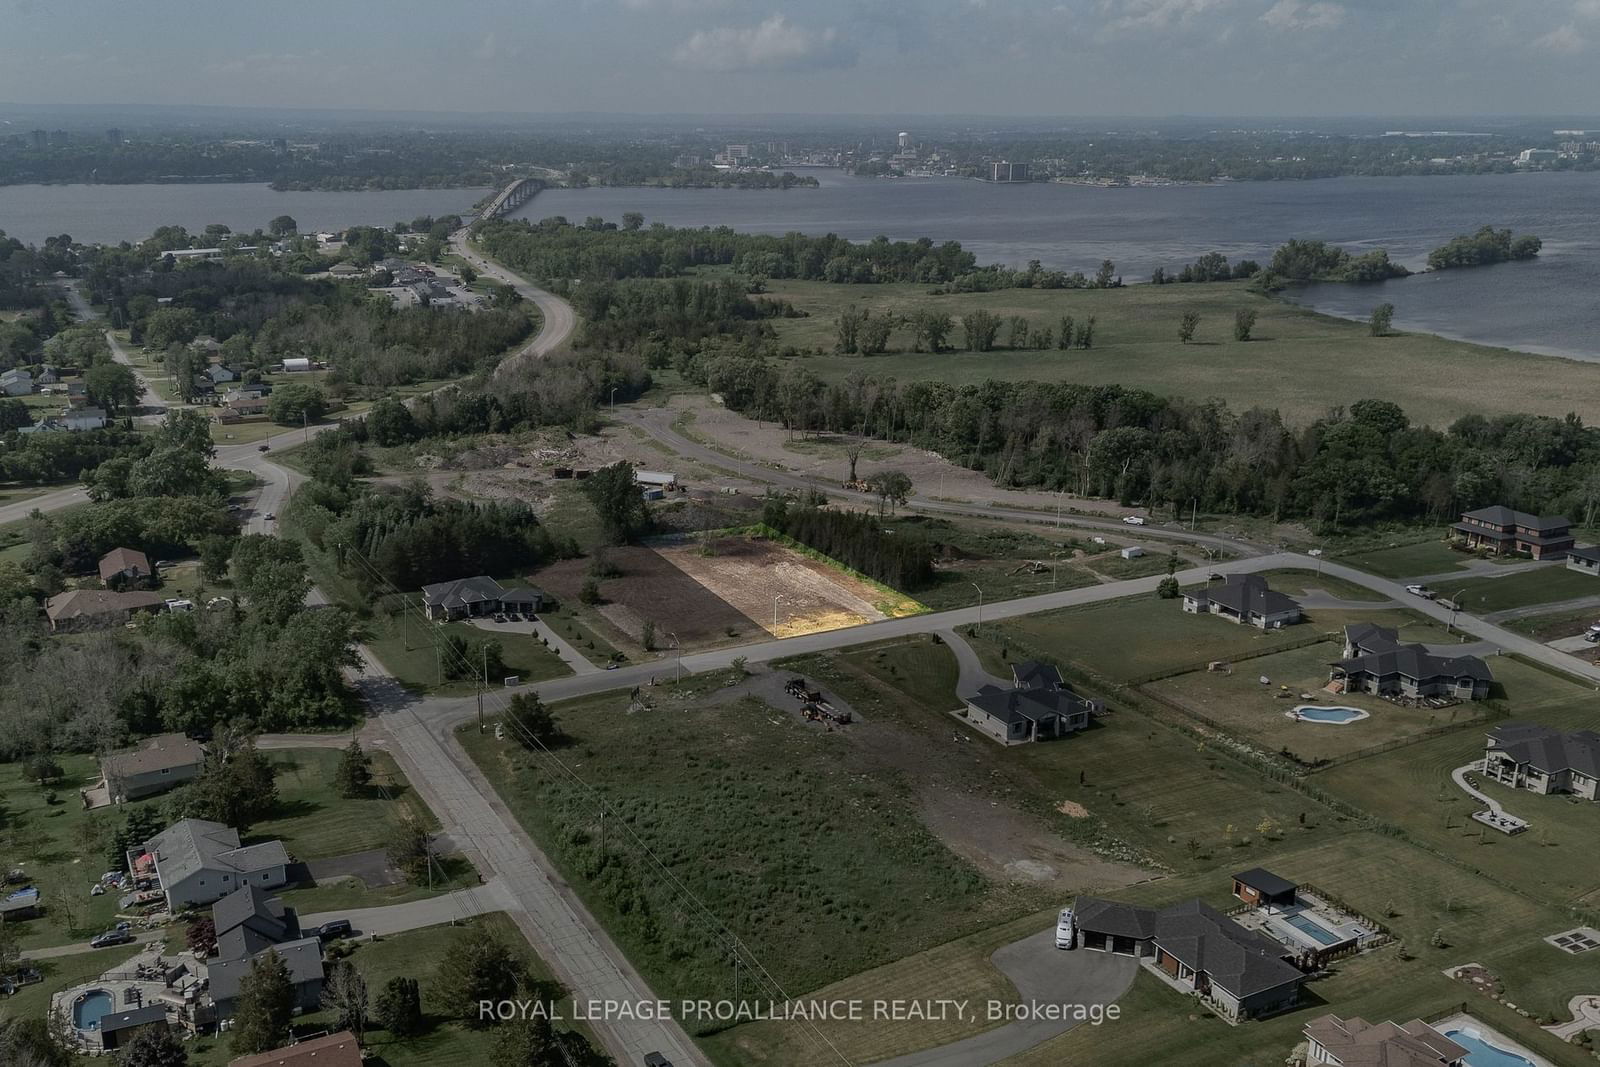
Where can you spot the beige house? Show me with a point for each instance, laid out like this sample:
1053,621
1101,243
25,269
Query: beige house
89,609
1354,1042
1539,759
1246,599
159,764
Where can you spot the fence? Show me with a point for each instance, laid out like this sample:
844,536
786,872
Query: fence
1190,668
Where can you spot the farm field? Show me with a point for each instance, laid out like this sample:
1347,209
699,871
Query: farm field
1544,585
1136,344
1239,703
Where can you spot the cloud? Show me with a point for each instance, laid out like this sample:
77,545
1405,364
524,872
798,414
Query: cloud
1304,15
1158,14
774,44
1563,40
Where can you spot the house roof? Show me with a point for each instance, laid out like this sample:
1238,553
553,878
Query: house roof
1415,661
1359,1043
1247,594
142,1016
1031,674
1026,705
1265,881
1113,917
1370,637
1591,553
164,752
521,595
247,921
1503,516
330,1050
191,845
119,560
303,958
1549,750
462,592
1240,961
87,603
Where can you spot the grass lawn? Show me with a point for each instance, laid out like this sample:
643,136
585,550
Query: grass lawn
995,557
1543,627
1411,787
1478,922
1123,639
1136,344
63,972
1298,583
407,649
314,821
1252,711
1543,585
1407,561
822,870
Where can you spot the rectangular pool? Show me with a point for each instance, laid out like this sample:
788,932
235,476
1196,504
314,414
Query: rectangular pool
1314,930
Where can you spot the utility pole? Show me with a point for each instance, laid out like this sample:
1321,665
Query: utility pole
602,831
305,423
483,681
614,399
979,624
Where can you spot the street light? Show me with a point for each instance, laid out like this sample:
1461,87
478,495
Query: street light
1455,605
614,389
678,645
979,588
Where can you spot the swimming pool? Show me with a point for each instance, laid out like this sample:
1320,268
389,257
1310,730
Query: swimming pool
1316,713
1312,929
90,1008
1482,1054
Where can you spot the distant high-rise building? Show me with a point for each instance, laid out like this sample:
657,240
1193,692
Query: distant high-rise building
280,146
60,137
40,139
905,140
113,136
1005,171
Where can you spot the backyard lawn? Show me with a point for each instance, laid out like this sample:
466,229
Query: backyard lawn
313,821
1257,713
1548,584
407,648
1408,561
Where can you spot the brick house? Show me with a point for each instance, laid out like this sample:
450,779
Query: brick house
1501,530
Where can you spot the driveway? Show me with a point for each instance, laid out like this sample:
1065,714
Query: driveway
414,915
1045,976
972,677
570,656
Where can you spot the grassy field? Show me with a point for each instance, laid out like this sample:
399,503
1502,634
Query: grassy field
1477,921
1544,627
1252,711
1545,585
1298,583
822,870
1407,561
1136,344
407,648
314,821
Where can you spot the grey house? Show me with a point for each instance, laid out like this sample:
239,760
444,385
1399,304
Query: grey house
1584,560
1354,1042
198,862
1528,756
1038,705
249,924
162,762
1375,662
1239,973
1245,599
481,595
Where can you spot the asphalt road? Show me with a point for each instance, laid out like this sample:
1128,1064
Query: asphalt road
559,319
149,400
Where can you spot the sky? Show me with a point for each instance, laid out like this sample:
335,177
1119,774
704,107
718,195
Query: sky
1066,58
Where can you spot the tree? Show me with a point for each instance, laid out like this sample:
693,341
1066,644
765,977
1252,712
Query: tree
10,948
264,1007
14,415
875,333
1017,337
476,966
632,220
34,1042
154,1047
647,635
930,328
848,327
1168,588
1244,320
215,552
1187,325
981,328
893,488
411,848
344,993
389,423
43,768
468,275
296,403
1086,333
617,501
398,1008
236,785
112,386
354,772
1065,337
270,575
1104,277
1382,318
532,725
589,592
283,226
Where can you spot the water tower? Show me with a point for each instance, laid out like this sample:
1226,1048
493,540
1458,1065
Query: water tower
905,141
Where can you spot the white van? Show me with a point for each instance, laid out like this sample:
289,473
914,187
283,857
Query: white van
1066,927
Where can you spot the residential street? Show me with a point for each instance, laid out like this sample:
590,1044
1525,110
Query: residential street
149,401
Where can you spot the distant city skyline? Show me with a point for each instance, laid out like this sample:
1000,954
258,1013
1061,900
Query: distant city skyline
1128,58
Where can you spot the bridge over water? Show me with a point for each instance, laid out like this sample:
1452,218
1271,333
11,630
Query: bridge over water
511,197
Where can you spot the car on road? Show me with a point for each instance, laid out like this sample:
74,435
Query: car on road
1133,520
270,517
263,448
1592,634
111,937
1422,591
656,1059
1066,928
335,928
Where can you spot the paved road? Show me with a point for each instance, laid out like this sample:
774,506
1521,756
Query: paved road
149,400
414,915
559,318
144,937
1046,976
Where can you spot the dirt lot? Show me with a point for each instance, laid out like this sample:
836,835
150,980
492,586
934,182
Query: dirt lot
709,599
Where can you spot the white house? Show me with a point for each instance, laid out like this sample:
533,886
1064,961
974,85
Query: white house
84,419
16,382
296,365
199,862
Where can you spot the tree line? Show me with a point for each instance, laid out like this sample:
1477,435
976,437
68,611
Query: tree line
855,539
1487,245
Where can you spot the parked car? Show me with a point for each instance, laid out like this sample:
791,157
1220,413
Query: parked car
656,1059
1066,927
263,448
1422,591
1592,634
1133,520
335,928
111,937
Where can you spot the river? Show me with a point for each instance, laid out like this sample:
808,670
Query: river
1546,306
107,214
